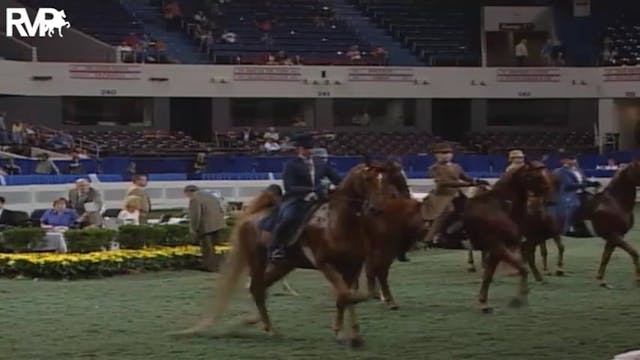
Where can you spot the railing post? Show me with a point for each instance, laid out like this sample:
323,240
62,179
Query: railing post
34,54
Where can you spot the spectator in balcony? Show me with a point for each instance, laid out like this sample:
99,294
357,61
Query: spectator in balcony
17,133
130,214
200,165
271,60
271,146
379,56
246,136
521,52
209,43
354,53
131,169
10,167
60,216
46,166
272,134
130,40
4,135
75,167
87,202
611,165
361,119
172,15
228,37
298,121
546,53
287,144
61,141
199,17
138,190
125,52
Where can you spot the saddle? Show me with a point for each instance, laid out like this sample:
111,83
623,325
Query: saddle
317,214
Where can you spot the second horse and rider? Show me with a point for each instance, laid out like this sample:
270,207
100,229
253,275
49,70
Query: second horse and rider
308,177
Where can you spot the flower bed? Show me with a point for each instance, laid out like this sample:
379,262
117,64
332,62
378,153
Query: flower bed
102,263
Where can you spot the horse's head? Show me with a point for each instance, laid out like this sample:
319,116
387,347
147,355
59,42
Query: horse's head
631,172
397,178
534,179
368,185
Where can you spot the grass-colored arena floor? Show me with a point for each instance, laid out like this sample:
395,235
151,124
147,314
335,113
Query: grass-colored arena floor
127,317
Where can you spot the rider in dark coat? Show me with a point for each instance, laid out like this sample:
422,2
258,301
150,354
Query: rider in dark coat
572,182
302,178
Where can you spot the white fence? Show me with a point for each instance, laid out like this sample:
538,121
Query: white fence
164,195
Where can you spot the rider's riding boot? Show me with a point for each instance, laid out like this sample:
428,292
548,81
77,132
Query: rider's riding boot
277,250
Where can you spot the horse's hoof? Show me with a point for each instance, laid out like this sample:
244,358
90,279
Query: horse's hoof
559,272
251,320
517,303
373,296
486,309
356,342
471,269
542,281
392,306
604,285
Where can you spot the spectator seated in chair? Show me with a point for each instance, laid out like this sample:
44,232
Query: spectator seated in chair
130,215
59,218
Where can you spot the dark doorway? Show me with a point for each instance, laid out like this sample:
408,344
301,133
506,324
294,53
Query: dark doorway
451,118
192,116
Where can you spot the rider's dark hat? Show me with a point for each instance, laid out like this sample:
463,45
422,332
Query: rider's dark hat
441,148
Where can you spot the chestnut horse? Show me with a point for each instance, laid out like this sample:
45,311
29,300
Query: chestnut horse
493,221
611,214
333,243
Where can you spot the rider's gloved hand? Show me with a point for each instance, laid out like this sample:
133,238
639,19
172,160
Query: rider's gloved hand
596,184
312,196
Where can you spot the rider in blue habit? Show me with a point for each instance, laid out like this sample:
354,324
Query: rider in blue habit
571,183
303,185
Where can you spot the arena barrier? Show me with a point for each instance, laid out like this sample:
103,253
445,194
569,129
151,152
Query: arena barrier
164,194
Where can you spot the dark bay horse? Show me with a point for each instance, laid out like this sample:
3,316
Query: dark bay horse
333,242
611,214
494,219
397,227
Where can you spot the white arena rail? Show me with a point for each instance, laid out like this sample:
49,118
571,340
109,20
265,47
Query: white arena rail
164,194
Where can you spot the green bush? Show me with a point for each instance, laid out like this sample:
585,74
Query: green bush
176,235
140,236
22,239
88,240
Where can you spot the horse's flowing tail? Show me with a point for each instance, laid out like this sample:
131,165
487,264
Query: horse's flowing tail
232,272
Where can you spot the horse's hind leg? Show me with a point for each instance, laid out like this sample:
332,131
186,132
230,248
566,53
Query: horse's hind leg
370,272
604,261
560,265
260,281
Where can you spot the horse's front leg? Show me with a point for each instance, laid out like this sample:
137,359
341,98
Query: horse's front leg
471,265
344,295
529,253
369,266
544,254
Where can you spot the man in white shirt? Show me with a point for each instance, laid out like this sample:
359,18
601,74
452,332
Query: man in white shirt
272,134
271,146
522,52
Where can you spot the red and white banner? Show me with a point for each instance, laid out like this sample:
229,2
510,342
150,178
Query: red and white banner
621,74
529,75
581,8
267,73
105,72
381,74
